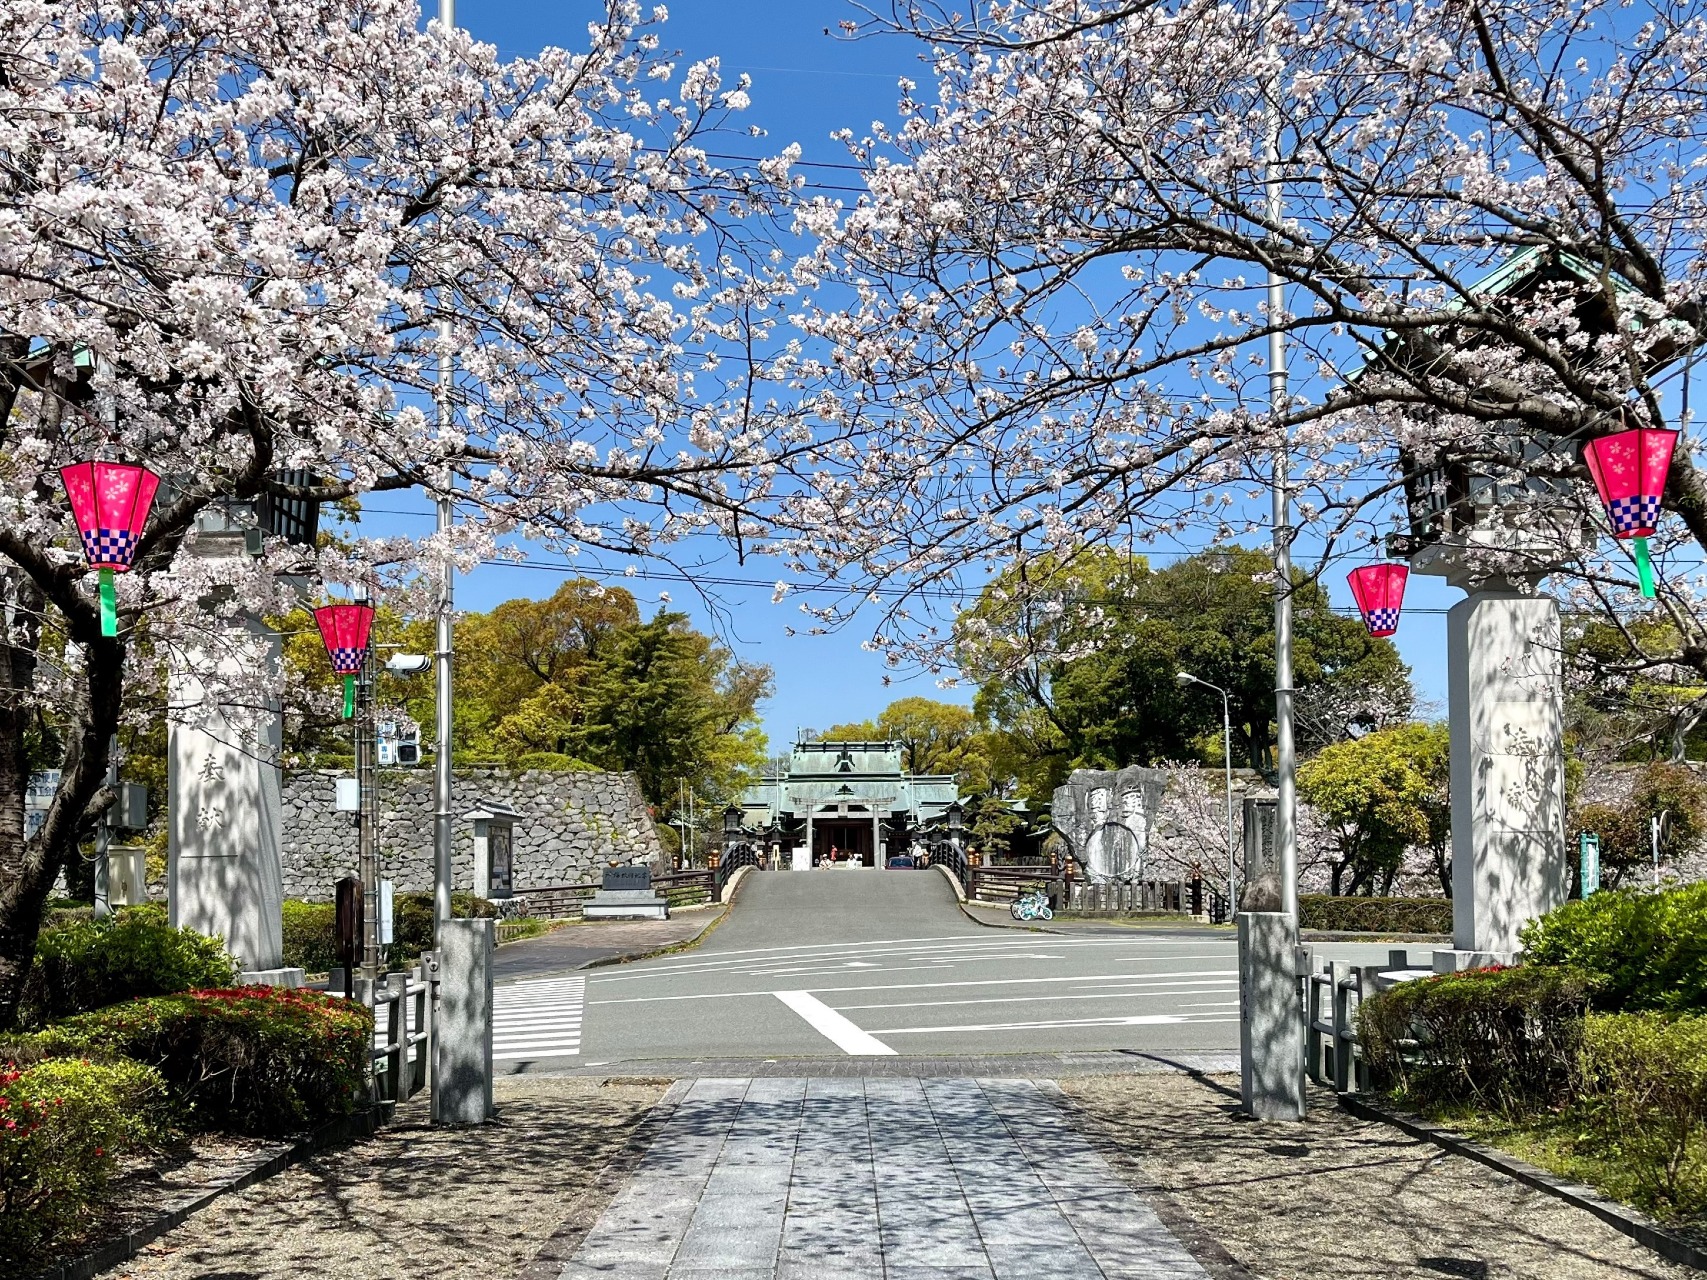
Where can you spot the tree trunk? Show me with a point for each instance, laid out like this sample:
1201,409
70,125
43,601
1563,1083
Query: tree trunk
1442,868
29,867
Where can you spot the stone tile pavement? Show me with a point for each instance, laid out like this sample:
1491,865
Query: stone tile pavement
831,1178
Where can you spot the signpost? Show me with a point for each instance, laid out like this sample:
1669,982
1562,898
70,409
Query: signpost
1589,843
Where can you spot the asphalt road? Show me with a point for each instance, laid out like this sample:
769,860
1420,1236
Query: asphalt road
868,965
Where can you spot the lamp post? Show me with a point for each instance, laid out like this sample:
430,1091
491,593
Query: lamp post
1184,679
346,631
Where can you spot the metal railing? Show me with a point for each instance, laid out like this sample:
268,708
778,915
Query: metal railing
401,1054
1333,990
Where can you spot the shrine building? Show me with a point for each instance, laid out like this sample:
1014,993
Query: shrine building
850,797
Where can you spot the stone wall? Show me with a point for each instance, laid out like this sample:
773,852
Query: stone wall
573,825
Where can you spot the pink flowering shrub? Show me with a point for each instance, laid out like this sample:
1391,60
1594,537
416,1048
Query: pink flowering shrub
240,1059
63,1124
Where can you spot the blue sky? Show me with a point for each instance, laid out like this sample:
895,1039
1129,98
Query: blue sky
805,85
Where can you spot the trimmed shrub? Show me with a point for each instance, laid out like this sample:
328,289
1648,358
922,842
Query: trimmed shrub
1374,915
1644,1107
88,964
1649,948
1498,1038
412,921
257,1060
63,1124
310,935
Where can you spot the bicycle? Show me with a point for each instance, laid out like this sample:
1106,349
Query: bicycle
1032,906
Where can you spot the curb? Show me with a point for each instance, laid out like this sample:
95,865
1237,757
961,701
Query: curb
671,948
1637,1226
362,1124
559,1247
1344,935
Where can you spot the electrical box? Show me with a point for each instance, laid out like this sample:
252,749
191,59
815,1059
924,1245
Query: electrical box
349,796
130,810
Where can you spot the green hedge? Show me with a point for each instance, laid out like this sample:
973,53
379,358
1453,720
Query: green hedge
1498,1038
1650,948
1643,1107
311,938
256,1060
88,964
63,1125
1374,915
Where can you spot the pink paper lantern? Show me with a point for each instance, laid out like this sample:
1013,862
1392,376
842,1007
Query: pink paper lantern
110,502
1629,470
344,631
1379,590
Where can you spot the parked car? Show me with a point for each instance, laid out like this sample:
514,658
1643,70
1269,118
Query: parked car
902,862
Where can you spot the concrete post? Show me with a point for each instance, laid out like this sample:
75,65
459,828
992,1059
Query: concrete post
225,872
1271,1019
1509,860
462,1024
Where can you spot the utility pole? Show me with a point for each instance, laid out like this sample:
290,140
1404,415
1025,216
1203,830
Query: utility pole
1285,758
442,647
367,817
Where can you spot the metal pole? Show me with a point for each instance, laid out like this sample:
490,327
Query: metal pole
442,781
103,873
1285,760
1654,844
367,849
1227,760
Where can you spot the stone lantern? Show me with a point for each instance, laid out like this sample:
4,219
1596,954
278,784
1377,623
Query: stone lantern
494,848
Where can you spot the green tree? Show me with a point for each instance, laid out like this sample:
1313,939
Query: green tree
1378,795
1626,849
573,681
935,737
1075,662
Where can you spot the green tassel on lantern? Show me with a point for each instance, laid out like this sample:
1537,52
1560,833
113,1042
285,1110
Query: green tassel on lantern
109,605
1644,567
349,697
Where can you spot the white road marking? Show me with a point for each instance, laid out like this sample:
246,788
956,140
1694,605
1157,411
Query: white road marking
835,1028
1137,1020
1086,979
1051,996
540,1019
960,948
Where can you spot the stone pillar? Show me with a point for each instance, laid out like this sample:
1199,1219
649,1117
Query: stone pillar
1271,1018
1509,861
225,874
462,1024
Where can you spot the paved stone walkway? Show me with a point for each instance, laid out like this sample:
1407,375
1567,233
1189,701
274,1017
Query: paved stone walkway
849,1179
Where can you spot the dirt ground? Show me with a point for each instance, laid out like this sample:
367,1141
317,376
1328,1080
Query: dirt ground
418,1202
1335,1195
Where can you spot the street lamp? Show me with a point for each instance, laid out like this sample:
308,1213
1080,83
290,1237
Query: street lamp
1185,679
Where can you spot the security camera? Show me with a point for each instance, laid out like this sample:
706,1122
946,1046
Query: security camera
408,664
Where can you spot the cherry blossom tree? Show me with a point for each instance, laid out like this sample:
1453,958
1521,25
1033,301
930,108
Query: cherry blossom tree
1489,240
230,233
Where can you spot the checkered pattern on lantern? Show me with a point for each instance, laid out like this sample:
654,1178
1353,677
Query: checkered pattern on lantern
109,548
1383,621
345,661
1636,514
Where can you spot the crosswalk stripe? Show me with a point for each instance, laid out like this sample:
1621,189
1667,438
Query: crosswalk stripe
538,1019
